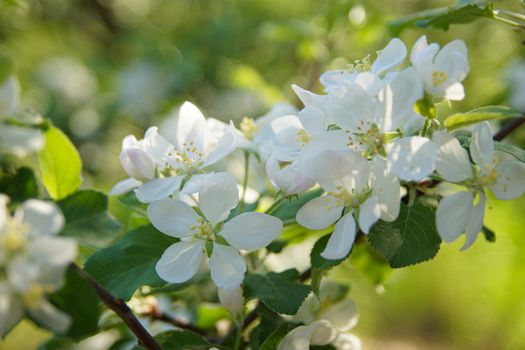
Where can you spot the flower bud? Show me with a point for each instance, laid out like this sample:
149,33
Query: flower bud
137,163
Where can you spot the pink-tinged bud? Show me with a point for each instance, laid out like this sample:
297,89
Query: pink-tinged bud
137,163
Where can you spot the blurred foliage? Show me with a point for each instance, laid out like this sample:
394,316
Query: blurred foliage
101,69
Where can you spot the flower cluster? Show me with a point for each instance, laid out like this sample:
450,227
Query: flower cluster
363,142
32,263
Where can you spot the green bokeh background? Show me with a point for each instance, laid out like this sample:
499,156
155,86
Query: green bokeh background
101,69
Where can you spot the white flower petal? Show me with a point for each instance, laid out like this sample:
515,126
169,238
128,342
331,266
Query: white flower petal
155,145
369,213
53,251
511,180
319,213
297,339
412,158
250,231
334,164
226,145
313,120
191,127
482,146
232,300
289,179
157,189
390,57
22,273
386,188
20,141
124,186
452,161
347,341
48,316
452,215
218,196
309,99
322,333
11,311
181,261
370,82
43,218
342,238
342,315
137,163
227,267
475,222
173,217
194,184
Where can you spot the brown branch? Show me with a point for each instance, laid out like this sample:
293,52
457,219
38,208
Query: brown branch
122,310
509,128
158,315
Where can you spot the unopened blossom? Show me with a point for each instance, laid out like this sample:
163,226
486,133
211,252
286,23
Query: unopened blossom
218,195
354,187
13,138
34,259
499,172
157,168
442,71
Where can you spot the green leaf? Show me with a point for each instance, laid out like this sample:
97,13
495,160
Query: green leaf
88,219
443,17
278,291
60,164
182,340
288,208
272,342
460,120
317,278
19,186
412,238
130,262
78,299
269,322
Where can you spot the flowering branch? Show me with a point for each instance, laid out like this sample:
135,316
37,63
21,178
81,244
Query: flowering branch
122,310
509,128
158,315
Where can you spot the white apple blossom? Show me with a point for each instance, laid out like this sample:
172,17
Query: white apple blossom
34,260
354,186
331,328
218,195
442,71
15,139
499,172
157,168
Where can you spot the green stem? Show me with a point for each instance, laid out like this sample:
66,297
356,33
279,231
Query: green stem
509,22
274,206
245,180
238,338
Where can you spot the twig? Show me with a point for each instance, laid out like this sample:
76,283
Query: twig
509,128
162,316
122,310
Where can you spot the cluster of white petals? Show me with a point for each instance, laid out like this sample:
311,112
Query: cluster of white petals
15,138
32,263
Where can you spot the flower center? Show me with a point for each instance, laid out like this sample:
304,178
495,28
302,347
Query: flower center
183,159
488,178
438,77
14,237
303,137
368,139
203,230
360,65
31,298
248,127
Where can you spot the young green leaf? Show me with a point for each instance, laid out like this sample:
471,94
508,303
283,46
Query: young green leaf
88,219
288,208
410,239
272,342
60,165
460,120
278,291
130,262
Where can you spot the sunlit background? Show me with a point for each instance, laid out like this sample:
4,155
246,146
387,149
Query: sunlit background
102,69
